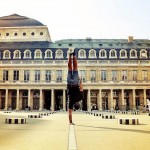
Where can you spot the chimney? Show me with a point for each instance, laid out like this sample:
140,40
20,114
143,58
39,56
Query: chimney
130,39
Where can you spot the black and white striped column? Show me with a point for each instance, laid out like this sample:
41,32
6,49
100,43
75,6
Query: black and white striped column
15,120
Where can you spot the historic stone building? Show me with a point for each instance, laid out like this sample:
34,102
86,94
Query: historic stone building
33,69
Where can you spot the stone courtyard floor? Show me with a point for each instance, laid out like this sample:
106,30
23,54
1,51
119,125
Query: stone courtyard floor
90,132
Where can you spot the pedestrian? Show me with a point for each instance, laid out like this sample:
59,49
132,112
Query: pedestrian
74,85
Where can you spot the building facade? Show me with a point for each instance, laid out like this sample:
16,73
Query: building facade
33,69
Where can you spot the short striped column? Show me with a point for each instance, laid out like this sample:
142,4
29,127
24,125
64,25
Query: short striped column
7,112
34,116
128,121
134,112
44,114
124,112
15,120
107,116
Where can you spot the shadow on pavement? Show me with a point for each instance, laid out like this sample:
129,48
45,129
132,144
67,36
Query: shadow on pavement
118,129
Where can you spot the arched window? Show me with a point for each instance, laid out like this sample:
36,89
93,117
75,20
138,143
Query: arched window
123,53
82,53
133,53
48,53
27,54
143,53
6,54
102,53
38,54
17,54
59,54
112,54
92,53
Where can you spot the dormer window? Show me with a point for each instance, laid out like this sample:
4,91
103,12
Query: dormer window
133,53
17,54
112,54
82,53
27,54
38,54
123,53
48,53
143,53
59,54
92,53
6,54
102,53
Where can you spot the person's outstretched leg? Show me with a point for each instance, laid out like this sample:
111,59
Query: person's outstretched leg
70,63
69,77
75,69
75,63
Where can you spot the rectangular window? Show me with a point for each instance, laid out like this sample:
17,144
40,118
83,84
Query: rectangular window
103,75
114,75
134,75
144,75
124,75
26,75
82,75
93,75
16,75
5,75
59,75
37,75
48,76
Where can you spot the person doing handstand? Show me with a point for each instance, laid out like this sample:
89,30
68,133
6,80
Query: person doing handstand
74,85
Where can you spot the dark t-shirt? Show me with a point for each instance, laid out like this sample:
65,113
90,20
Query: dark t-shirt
75,94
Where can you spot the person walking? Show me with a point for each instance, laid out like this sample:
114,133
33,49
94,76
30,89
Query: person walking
74,85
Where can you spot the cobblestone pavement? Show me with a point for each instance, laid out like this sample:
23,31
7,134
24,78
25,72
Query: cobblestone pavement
90,132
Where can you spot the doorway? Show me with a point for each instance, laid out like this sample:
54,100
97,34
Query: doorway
47,99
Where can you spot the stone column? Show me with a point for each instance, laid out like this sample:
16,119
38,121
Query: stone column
89,100
64,99
0,100
52,100
122,104
99,100
29,97
110,100
20,99
17,103
145,100
6,99
41,100
133,97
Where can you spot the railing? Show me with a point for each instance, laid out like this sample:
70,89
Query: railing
84,82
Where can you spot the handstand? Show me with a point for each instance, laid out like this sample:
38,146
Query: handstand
74,85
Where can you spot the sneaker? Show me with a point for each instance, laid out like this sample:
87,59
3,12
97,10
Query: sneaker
71,50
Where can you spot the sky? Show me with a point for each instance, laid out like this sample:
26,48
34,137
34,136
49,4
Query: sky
79,19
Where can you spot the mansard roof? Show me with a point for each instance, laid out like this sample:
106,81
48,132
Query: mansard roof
16,20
